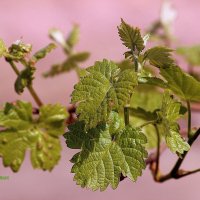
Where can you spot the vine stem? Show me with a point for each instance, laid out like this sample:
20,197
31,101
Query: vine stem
147,123
158,151
180,160
30,88
126,115
135,61
176,172
189,118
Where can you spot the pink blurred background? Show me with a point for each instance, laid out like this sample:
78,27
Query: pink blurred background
98,21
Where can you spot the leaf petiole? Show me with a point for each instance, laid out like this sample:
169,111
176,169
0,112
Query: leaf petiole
126,115
147,123
30,88
189,118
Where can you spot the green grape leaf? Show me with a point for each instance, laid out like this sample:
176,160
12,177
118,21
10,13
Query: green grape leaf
159,56
104,157
138,119
24,79
170,113
81,72
105,88
181,83
3,48
21,132
73,37
115,122
43,52
191,54
145,102
131,37
12,148
16,117
147,98
175,142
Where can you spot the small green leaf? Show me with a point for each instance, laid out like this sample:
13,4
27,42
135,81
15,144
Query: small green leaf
103,157
80,57
176,143
181,83
159,57
3,48
130,37
24,79
170,113
191,54
103,89
43,52
60,68
73,37
21,131
72,62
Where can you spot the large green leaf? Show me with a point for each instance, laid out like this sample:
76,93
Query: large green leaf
105,88
130,36
181,83
170,113
175,142
191,54
21,131
104,156
159,56
149,130
145,102
147,98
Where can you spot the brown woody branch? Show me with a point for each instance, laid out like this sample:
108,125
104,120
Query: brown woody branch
176,172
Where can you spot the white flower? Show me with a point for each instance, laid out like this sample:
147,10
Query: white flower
57,36
168,13
18,42
146,38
